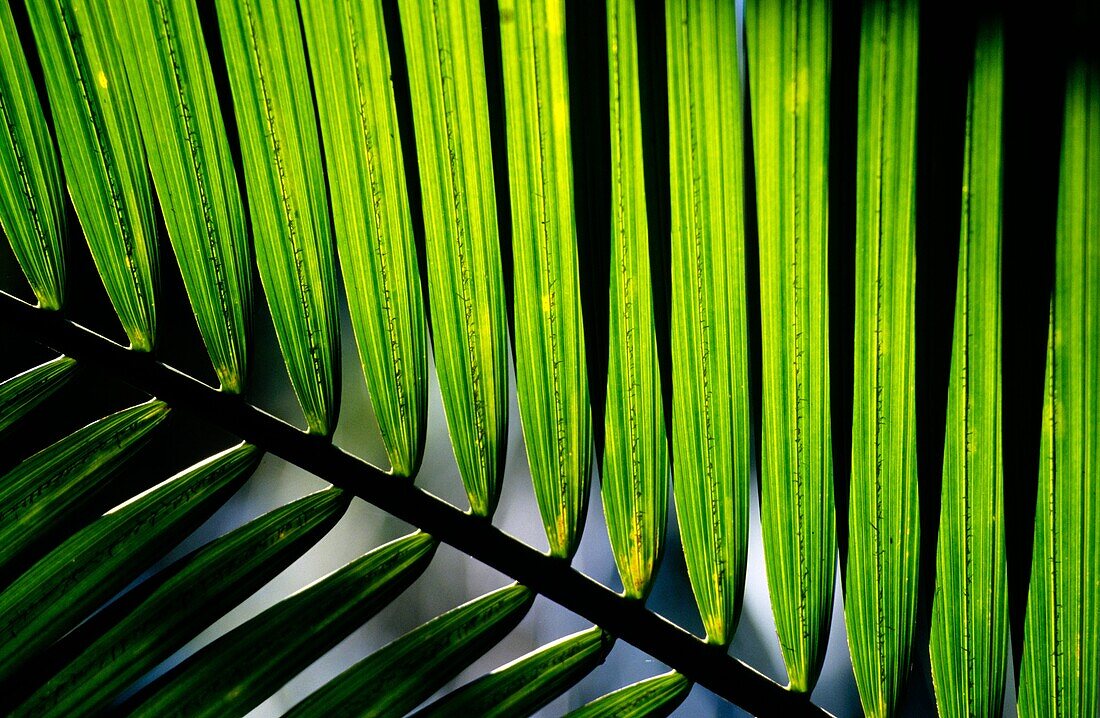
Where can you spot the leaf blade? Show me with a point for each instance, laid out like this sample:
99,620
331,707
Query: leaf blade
25,391
652,698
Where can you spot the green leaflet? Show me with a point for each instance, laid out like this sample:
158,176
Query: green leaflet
884,529
24,391
178,111
287,200
652,698
789,52
32,211
970,608
635,461
465,284
101,151
193,593
1060,671
242,668
100,560
398,677
47,493
710,393
351,70
528,683
551,374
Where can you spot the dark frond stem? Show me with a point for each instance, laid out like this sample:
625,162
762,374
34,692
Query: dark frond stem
709,666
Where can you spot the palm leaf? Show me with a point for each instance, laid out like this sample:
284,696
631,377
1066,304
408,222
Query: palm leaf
286,195
31,207
100,560
551,378
178,111
789,52
43,498
351,76
881,586
465,281
404,673
165,613
528,683
97,133
710,401
970,608
634,476
25,391
1060,672
652,698
239,670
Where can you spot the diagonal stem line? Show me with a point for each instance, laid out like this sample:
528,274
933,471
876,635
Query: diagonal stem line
628,620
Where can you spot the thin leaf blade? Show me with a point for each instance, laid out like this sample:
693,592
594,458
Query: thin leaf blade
287,198
969,639
789,53
465,280
351,70
884,529
1060,670
654,697
101,152
32,210
179,114
634,481
25,391
551,376
710,402
395,679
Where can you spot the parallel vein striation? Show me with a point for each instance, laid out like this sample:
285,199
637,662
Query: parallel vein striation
551,376
1060,671
32,211
635,462
102,154
710,403
351,70
179,114
789,52
883,515
286,196
465,281
969,637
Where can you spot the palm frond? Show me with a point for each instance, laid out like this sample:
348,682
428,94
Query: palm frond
652,698
25,391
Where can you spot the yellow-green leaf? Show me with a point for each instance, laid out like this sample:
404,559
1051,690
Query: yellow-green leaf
166,611
287,200
41,499
465,282
884,529
528,683
789,51
710,394
652,698
240,669
179,113
32,210
23,392
351,70
101,151
98,561
1060,671
551,374
398,677
969,636
635,461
